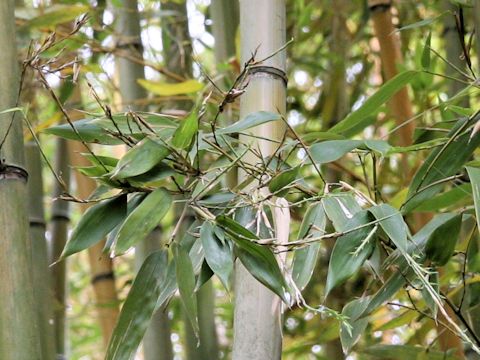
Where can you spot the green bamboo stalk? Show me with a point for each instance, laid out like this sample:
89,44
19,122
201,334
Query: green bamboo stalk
257,318
454,53
156,342
41,273
225,23
476,20
60,220
19,338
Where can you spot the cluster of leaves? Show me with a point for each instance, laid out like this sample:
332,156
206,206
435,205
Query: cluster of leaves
181,160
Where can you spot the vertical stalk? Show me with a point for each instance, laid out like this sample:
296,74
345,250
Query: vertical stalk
41,273
476,20
225,24
391,57
177,53
156,342
257,318
101,266
19,338
59,221
454,52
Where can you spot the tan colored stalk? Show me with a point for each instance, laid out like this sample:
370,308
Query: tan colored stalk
257,318
101,266
401,108
391,58
19,338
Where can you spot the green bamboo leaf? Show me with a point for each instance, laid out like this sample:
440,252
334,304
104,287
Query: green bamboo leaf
257,259
392,223
186,284
89,132
441,243
140,159
350,335
350,250
55,15
441,163
426,52
251,120
386,292
283,179
328,151
380,146
183,136
138,308
474,174
373,103
455,196
305,259
402,352
217,254
142,220
95,224
405,318
340,208
424,22
170,89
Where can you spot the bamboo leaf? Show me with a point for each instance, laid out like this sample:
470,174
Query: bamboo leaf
89,132
392,223
217,254
328,151
441,243
340,208
441,163
305,259
373,103
142,220
186,284
386,292
140,159
251,120
170,89
183,136
95,224
402,352
474,174
350,335
139,308
257,259
56,14
350,250
283,179
426,52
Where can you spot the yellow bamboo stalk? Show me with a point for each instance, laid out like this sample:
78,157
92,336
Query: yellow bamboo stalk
391,58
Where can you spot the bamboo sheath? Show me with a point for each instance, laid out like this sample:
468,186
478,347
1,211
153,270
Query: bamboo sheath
257,317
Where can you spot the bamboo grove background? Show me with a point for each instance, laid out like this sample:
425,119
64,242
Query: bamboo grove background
376,128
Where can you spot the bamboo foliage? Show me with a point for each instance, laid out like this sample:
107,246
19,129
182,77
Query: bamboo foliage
17,314
156,342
